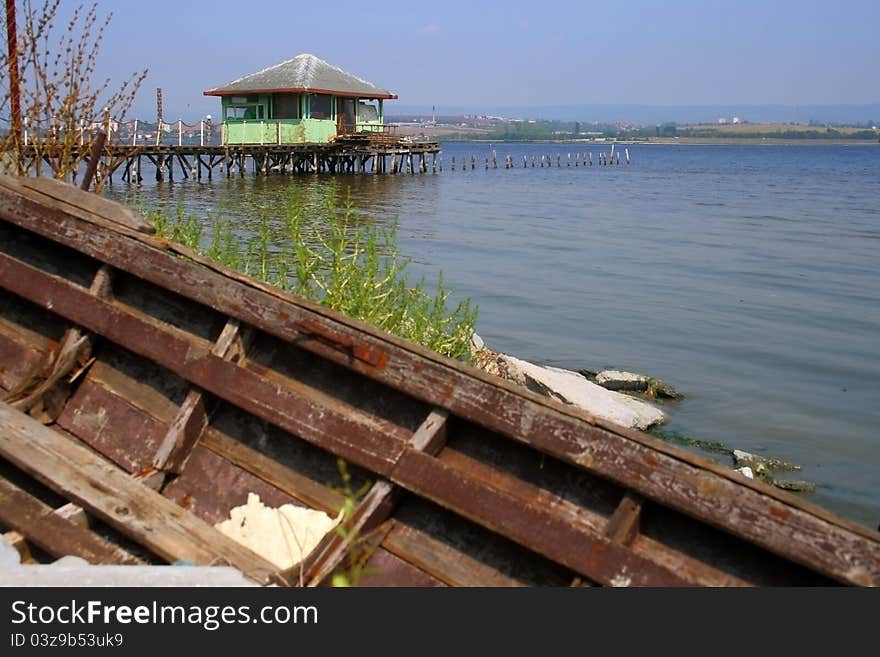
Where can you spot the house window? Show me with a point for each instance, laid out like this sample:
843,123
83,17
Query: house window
321,106
368,112
245,112
286,106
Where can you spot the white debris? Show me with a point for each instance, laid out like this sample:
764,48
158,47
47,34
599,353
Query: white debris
285,536
9,556
746,471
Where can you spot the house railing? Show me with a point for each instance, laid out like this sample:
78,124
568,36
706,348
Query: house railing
135,132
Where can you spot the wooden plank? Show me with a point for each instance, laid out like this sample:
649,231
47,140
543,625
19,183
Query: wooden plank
19,364
75,472
542,522
450,566
53,533
780,523
209,486
91,204
112,426
387,569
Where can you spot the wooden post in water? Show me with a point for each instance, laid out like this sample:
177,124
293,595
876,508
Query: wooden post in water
486,160
97,147
591,158
494,160
542,161
558,157
158,116
626,153
473,162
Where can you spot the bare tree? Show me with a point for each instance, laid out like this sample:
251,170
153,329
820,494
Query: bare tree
61,102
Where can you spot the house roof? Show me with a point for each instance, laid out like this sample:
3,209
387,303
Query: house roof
304,73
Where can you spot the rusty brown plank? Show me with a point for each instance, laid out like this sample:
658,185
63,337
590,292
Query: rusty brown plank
209,486
440,560
113,426
758,513
19,364
59,537
105,491
529,516
315,416
387,569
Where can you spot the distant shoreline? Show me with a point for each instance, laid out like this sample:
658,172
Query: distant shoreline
681,141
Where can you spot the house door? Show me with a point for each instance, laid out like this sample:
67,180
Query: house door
340,120
346,119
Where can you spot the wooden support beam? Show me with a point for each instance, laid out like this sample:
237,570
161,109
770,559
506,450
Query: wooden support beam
379,502
53,533
623,526
191,420
74,349
104,490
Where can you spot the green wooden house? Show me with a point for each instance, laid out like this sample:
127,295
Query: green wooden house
302,100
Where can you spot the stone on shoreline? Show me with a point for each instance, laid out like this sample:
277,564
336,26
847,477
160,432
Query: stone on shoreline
631,382
741,458
798,486
572,388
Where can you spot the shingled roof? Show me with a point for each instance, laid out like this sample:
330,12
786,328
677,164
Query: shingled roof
304,73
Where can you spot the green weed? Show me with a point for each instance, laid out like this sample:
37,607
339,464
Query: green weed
348,265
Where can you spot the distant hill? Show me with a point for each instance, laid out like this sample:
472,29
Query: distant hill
652,114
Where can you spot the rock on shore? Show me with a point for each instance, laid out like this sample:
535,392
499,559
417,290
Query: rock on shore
572,388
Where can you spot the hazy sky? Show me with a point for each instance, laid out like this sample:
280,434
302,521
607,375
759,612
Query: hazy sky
515,53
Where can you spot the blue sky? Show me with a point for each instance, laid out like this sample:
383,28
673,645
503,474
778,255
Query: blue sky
516,53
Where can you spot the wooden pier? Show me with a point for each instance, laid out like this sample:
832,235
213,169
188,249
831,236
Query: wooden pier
360,154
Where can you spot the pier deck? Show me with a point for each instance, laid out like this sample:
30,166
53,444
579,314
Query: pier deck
373,153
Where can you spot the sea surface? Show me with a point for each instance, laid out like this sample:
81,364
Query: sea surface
748,277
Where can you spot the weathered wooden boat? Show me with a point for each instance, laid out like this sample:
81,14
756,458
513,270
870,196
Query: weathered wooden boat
147,391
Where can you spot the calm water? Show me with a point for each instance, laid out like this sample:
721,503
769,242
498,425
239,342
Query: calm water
748,277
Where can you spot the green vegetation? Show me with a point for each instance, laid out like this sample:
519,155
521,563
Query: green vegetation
680,439
572,130
337,261
355,565
770,131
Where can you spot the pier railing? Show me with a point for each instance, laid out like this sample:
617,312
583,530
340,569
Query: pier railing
135,132
138,132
